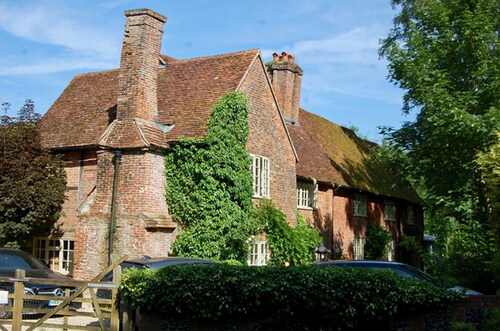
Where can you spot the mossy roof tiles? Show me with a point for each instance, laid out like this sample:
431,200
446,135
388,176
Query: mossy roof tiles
334,154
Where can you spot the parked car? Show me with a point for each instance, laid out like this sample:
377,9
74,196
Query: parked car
400,269
152,263
12,259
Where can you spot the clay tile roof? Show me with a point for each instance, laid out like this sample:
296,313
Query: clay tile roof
187,91
333,154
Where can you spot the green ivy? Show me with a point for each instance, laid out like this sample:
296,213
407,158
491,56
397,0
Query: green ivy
209,186
289,246
282,298
377,240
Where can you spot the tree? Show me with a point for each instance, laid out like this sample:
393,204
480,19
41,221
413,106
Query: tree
209,186
32,181
445,55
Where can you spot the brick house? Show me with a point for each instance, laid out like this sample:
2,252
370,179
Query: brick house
113,127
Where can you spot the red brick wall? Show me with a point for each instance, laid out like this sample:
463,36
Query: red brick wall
268,138
140,196
335,219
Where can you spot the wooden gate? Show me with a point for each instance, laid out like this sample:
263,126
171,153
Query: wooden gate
105,312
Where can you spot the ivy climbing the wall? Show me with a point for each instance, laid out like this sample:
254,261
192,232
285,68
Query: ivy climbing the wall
289,246
377,240
209,186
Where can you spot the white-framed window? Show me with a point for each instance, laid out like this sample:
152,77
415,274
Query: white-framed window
258,253
360,205
389,210
358,248
57,253
410,215
307,195
260,173
391,250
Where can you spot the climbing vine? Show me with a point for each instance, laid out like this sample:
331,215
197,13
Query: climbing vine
209,186
289,246
377,240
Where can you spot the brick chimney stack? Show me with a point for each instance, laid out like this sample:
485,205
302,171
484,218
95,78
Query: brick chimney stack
137,95
286,77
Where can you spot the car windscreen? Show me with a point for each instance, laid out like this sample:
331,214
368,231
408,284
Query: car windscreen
13,261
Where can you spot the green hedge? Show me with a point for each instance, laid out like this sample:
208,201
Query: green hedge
281,297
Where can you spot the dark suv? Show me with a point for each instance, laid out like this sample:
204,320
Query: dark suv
12,259
401,269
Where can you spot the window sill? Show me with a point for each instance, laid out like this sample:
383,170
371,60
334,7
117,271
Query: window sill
361,216
305,208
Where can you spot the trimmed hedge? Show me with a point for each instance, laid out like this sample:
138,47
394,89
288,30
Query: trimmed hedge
281,297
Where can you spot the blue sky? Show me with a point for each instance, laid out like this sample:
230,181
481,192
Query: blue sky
45,43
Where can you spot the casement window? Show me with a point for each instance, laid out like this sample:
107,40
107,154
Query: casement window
260,172
358,248
258,253
391,250
410,215
57,253
307,195
389,211
360,207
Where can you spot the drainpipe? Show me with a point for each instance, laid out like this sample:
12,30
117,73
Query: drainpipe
117,160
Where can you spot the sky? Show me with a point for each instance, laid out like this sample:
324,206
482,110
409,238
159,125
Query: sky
43,44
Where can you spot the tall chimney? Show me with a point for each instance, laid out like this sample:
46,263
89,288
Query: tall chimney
286,77
137,94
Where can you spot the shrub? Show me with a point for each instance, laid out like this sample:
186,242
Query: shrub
377,240
281,297
289,246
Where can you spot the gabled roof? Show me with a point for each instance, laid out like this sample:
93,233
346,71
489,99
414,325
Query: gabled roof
187,91
333,154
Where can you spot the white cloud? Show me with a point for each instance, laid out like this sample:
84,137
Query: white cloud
52,25
358,45
56,65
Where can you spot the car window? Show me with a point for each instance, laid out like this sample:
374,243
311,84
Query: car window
15,261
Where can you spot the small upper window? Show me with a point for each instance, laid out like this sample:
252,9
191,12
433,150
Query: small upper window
389,211
307,195
360,205
260,172
410,215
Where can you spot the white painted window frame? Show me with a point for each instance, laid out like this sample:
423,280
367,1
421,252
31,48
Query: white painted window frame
358,248
307,195
261,176
258,253
57,253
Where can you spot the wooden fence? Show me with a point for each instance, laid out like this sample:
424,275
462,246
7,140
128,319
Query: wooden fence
105,310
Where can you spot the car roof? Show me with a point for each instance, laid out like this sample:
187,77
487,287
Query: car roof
160,262
361,262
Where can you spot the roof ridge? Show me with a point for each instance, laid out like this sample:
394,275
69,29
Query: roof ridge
254,50
96,72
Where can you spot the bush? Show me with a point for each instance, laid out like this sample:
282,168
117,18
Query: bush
289,246
281,297
377,240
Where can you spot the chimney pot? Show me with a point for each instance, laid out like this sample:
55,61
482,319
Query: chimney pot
286,78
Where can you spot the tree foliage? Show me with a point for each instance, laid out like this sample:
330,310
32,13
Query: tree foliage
377,240
289,245
209,186
445,55
32,181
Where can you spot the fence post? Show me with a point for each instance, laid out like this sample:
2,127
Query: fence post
115,304
17,314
